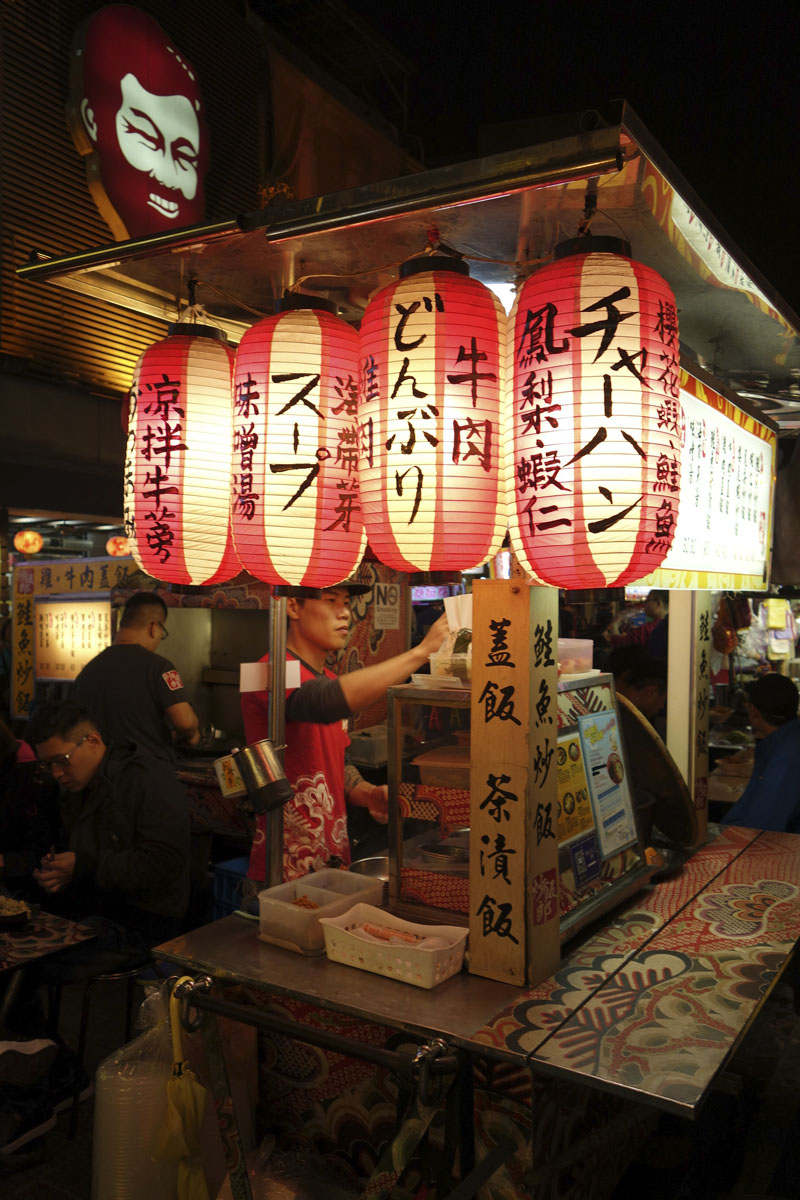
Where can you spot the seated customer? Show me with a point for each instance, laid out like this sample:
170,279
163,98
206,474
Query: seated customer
126,869
642,680
771,799
29,819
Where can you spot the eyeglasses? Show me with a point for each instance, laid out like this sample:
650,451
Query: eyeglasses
164,630
61,761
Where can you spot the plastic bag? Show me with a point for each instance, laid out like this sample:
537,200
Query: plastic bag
130,1106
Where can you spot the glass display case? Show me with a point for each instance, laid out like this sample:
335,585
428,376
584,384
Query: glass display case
600,858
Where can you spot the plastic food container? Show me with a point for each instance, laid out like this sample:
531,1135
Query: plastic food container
285,923
447,766
417,965
574,656
368,746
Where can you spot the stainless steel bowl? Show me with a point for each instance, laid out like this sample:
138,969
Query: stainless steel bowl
376,868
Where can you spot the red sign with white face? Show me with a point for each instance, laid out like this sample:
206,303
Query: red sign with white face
136,113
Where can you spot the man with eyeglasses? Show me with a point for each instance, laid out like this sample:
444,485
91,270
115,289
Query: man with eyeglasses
126,867
133,692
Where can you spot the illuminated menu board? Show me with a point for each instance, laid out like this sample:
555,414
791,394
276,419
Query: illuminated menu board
68,632
722,535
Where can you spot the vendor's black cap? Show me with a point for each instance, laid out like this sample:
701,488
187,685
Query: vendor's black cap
775,696
309,593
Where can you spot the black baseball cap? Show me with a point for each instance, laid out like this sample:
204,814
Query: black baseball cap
775,696
355,587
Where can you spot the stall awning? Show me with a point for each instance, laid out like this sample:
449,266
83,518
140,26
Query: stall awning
505,213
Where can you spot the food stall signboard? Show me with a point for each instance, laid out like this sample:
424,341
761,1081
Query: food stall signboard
608,782
723,528
513,888
599,858
68,632
64,577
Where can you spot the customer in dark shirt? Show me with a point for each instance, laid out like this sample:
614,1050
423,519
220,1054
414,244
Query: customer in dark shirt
771,799
126,870
134,693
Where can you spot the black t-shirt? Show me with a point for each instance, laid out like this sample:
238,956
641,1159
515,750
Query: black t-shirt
127,690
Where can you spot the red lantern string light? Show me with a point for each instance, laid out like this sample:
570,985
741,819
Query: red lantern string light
594,418
296,511
178,460
28,541
431,385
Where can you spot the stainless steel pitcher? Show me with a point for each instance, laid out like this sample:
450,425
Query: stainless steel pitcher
262,774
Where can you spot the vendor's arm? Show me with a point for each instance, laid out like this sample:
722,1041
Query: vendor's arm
363,687
325,700
373,797
184,720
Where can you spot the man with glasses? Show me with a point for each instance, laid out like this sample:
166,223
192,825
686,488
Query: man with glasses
126,867
133,692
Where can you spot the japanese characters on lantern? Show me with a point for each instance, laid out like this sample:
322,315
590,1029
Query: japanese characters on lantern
431,384
594,421
178,460
296,508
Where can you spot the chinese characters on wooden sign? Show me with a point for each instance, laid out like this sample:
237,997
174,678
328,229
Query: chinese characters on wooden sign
51,579
514,924
68,633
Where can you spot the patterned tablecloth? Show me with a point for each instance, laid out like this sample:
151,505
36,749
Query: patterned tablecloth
44,934
648,1005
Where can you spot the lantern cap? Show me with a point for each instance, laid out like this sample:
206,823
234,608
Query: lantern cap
592,245
433,262
355,587
190,329
297,300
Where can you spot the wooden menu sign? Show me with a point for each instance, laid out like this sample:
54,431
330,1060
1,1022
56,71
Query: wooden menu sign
514,908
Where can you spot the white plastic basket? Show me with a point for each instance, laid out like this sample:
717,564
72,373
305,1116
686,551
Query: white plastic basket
410,964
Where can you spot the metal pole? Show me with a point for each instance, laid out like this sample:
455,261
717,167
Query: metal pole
277,729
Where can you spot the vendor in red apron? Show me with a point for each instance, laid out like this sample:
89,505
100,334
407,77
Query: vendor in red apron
317,715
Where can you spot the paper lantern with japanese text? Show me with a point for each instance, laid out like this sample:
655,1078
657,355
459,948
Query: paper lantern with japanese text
296,509
28,541
431,385
594,418
178,461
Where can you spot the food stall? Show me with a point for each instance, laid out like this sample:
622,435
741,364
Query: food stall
553,845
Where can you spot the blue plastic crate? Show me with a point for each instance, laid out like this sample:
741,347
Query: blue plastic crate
228,879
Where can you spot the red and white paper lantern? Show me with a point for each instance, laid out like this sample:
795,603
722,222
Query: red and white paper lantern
430,410
594,418
178,460
296,508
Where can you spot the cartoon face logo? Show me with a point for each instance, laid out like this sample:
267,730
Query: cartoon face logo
136,114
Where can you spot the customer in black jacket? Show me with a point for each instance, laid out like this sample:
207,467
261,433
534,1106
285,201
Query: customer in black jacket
126,869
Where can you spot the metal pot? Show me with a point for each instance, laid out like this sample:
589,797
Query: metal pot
262,774
375,868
